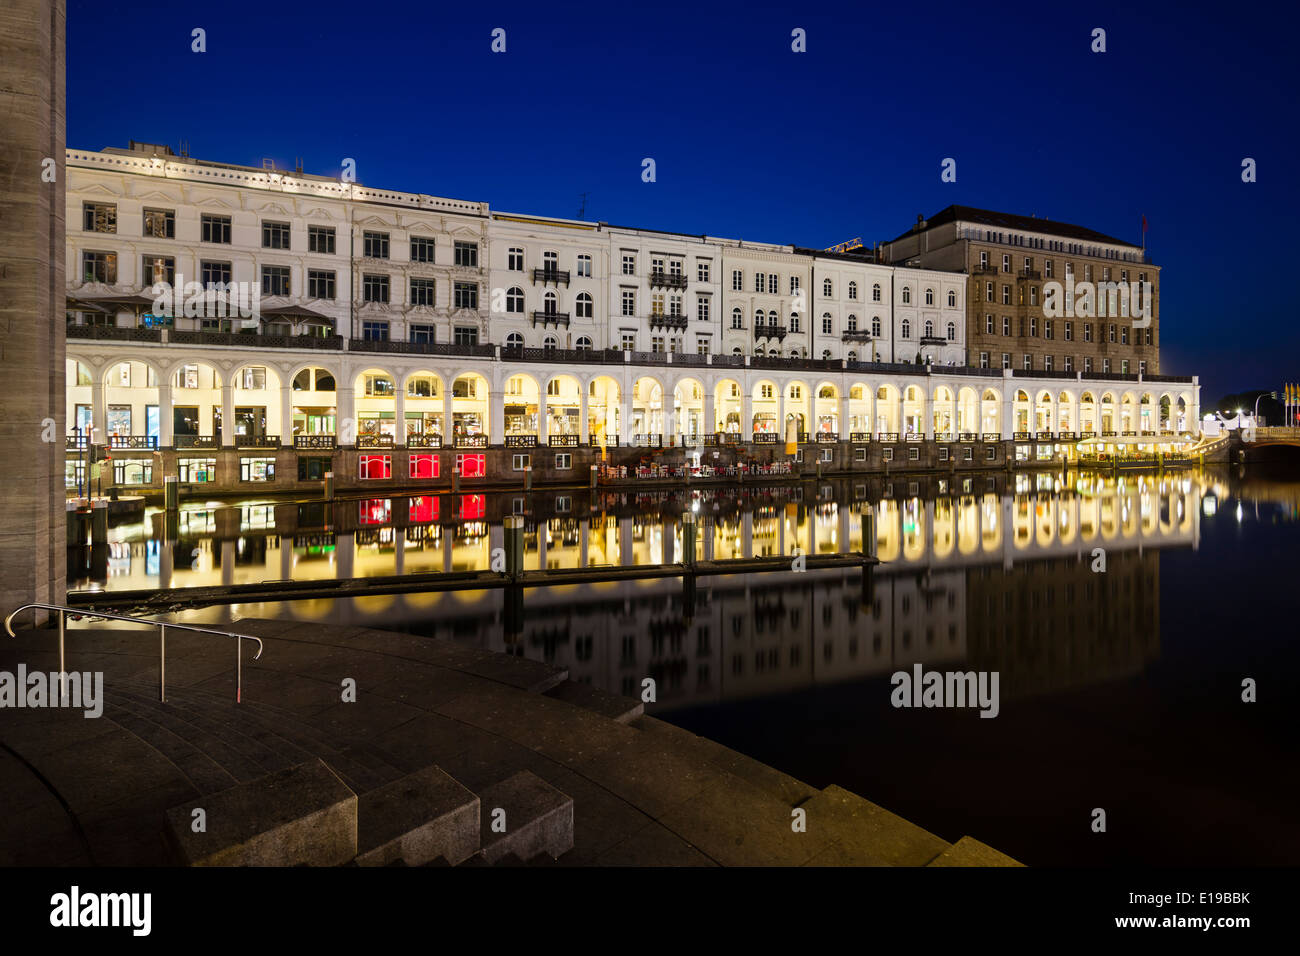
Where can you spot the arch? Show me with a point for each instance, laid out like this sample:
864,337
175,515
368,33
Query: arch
1147,414
967,411
765,407
913,409
514,340
1106,413
647,406
375,390
888,408
583,344
196,399
313,401
471,396
943,410
826,409
797,401
604,408
425,392
991,412
1020,411
1066,419
1044,412
515,300
563,405
255,393
688,407
859,408
853,290
728,407
522,406
131,400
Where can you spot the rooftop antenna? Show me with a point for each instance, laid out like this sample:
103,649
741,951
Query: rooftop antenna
183,147
268,164
297,165
582,211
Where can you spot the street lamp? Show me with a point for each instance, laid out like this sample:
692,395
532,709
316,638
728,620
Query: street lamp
1272,395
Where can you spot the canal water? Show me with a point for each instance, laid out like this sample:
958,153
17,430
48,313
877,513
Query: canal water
1121,614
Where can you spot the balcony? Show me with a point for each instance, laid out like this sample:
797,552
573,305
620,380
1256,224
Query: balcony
521,441
551,275
562,441
856,335
609,441
990,437
668,280
596,356
675,322
987,269
933,340
257,441
111,332
196,441
471,441
374,441
250,339
424,440
828,437
766,438
74,442
1028,275
648,441
555,319
421,348
777,332
314,442
149,442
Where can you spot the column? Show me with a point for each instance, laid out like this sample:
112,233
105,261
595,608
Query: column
625,419
746,416
346,412
166,562
286,415
447,430
543,417
98,410
583,400
541,545
710,415
496,417
227,416
164,415
927,412
399,550
399,415
843,425
709,530
345,548
286,557
1009,416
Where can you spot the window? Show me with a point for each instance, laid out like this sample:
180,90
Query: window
1069,363
99,217
826,288
702,345
629,264
515,259
988,324
1006,295
1112,332
952,332
1142,368
375,467
1069,331
423,466
1087,365
702,270
859,454
875,326
464,295
737,319
374,288
375,245
422,292
99,267
1105,366
907,329
563,461
929,329
629,341
1006,360
465,335
584,266
583,306
702,308
907,295
629,302
1123,335
984,360
773,285
737,280
275,280
943,453
320,284
160,223
320,239
192,470
1029,362
467,254
251,377
550,261
794,322
952,299
760,281
471,466
421,334
1087,331
875,292
828,324
215,229
853,290
374,331
257,469
275,235
520,462
1047,363
1047,268
583,344
550,344
515,300
929,297
155,269
214,273
1033,326
988,292
1123,366
887,454
422,249
514,341
1006,263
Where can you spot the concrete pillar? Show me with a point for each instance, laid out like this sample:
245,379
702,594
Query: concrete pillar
625,420
227,415
625,542
584,532
710,425
286,415
543,417
346,411
582,417
747,534
842,426
399,415
345,549
496,418
1009,416
33,535
448,431
165,414
927,412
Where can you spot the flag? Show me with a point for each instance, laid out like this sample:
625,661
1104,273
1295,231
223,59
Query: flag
1144,223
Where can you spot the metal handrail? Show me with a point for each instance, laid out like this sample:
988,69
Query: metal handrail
162,643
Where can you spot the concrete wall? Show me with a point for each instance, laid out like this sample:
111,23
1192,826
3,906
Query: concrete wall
32,556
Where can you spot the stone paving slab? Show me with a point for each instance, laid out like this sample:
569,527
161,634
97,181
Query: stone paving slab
870,832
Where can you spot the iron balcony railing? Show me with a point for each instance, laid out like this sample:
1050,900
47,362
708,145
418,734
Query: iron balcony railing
162,642
668,280
210,442
322,442
551,275
424,440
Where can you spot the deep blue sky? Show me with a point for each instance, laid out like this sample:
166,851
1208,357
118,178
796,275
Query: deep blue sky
754,141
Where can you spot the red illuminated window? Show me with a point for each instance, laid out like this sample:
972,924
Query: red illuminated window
424,509
472,466
472,507
376,466
424,466
376,511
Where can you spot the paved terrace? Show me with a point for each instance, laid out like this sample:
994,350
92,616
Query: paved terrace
77,791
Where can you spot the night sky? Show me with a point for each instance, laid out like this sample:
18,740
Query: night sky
754,141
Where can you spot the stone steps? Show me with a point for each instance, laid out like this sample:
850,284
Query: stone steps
248,740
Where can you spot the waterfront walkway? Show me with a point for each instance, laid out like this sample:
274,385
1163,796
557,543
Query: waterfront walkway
81,791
